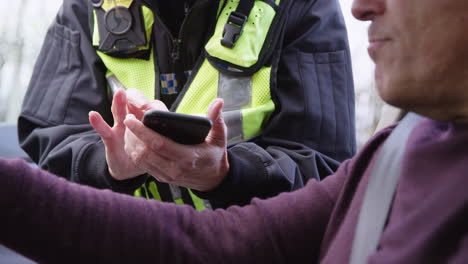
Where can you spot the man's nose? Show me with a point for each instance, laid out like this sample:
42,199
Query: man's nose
367,9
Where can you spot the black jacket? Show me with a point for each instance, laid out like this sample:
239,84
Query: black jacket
311,130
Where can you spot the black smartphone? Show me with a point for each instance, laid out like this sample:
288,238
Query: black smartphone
182,128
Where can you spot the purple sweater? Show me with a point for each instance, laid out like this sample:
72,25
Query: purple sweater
53,221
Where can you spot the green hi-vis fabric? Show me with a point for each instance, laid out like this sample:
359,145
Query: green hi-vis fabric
132,72
248,103
108,4
150,191
246,51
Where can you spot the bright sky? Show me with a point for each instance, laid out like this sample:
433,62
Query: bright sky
357,34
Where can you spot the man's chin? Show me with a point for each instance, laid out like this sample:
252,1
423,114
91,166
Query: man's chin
395,93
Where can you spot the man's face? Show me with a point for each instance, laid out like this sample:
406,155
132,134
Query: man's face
420,48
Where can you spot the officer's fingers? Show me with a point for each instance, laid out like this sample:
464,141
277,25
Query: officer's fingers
119,107
160,176
136,98
137,128
218,132
98,123
169,169
157,168
147,160
136,103
139,110
157,105
131,143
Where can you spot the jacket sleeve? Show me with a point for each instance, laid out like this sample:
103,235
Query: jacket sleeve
313,128
68,81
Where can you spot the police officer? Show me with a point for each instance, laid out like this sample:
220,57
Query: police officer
282,69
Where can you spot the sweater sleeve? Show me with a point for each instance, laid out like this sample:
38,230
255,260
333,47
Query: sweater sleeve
51,220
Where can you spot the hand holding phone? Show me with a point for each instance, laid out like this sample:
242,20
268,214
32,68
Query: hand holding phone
182,128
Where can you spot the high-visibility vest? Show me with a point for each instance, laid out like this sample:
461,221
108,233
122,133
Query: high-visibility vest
241,73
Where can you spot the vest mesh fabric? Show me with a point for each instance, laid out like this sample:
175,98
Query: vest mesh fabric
202,91
133,73
255,116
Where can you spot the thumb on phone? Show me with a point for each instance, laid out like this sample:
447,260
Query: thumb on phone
218,132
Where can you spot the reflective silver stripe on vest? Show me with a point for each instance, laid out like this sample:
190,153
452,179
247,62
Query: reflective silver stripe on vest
207,204
175,191
233,120
236,93
114,84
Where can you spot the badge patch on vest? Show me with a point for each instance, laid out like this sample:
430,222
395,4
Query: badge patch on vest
169,84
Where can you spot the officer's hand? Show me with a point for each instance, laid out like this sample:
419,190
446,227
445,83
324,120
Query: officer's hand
120,165
201,167
137,103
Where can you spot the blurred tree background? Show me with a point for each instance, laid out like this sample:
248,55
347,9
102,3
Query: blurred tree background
23,24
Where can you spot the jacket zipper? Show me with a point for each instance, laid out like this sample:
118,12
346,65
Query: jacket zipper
177,44
175,49
177,52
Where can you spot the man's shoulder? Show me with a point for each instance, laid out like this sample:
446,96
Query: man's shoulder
368,151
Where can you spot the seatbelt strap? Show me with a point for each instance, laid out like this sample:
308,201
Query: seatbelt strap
380,191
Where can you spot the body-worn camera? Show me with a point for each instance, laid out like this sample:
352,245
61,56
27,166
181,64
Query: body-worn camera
120,26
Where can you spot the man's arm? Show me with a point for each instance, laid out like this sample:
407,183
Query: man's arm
79,224
68,82
313,128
